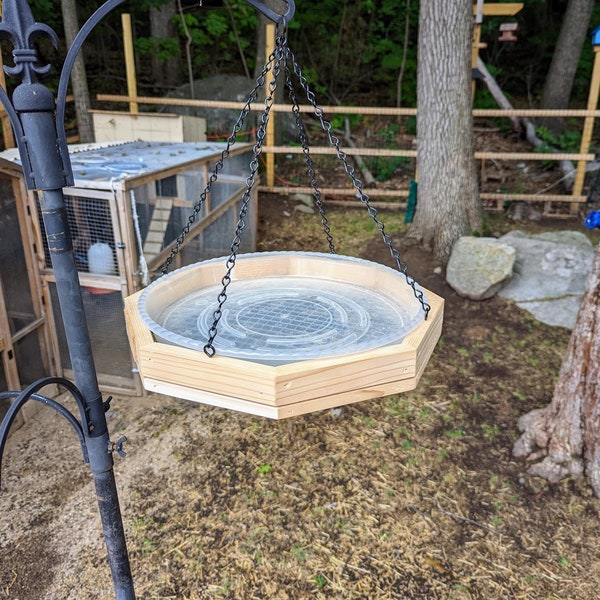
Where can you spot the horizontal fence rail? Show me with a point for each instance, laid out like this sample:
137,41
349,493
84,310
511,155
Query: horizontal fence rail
345,110
492,201
413,153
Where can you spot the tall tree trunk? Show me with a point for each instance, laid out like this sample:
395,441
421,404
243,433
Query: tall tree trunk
78,77
559,80
404,55
563,439
261,38
166,73
448,200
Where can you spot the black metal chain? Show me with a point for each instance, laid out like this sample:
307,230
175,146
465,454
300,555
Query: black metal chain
274,64
356,182
302,136
282,55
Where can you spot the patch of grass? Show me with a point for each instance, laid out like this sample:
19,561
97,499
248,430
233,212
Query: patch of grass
147,546
368,421
397,406
454,434
299,552
354,229
490,432
406,445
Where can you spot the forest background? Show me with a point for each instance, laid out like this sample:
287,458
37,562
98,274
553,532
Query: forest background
354,53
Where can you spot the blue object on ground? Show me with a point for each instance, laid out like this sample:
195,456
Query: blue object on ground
593,220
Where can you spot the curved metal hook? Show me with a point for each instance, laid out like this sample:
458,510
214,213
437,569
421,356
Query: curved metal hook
80,38
30,393
65,76
271,14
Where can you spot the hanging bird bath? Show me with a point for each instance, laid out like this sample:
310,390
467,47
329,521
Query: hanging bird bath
300,332
284,333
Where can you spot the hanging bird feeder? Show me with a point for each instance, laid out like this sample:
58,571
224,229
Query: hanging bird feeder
279,334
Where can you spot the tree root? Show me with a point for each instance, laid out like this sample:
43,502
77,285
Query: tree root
563,439
537,442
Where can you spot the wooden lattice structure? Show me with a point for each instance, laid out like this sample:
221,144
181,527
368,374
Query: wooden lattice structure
129,203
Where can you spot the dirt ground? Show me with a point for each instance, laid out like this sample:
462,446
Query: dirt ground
414,496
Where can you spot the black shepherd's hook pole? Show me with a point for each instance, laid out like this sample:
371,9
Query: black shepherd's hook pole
46,166
38,123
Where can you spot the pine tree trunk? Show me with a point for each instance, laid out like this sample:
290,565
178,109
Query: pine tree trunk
448,203
563,439
559,80
78,76
166,73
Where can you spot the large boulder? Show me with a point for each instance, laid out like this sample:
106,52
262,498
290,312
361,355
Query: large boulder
550,274
230,88
478,266
218,87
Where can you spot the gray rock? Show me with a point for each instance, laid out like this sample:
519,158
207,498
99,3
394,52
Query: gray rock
478,267
307,199
304,209
559,312
221,120
217,87
550,274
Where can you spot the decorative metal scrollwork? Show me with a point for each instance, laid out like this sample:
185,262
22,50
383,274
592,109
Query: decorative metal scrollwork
19,26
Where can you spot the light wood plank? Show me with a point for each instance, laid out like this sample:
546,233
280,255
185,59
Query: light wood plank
284,390
157,228
500,9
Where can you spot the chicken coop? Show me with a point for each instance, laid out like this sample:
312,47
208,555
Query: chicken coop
126,210
25,341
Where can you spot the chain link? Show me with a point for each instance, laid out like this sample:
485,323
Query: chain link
274,63
357,183
282,55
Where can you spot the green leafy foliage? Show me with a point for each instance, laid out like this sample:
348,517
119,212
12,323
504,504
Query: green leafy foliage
350,52
568,141
365,47
162,48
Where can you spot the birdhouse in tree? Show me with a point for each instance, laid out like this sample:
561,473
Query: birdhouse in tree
508,32
596,37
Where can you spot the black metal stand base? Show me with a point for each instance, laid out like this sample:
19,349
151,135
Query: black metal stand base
97,452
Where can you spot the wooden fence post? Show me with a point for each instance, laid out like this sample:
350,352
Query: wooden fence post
270,157
588,124
129,61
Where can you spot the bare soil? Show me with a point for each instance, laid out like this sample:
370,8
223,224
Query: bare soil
414,496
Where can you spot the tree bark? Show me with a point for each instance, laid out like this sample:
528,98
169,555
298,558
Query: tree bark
563,439
448,205
78,76
166,73
559,80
